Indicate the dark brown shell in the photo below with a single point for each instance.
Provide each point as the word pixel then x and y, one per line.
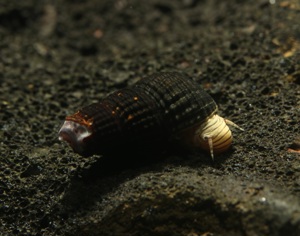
pixel 152 111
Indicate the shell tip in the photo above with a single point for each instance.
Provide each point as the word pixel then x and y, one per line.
pixel 74 134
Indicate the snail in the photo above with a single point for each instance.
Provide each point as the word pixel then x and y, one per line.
pixel 162 107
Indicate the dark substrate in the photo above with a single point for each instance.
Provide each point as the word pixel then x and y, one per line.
pixel 57 56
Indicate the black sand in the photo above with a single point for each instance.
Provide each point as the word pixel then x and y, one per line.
pixel 57 56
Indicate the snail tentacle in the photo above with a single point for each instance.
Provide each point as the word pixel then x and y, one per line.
pixel 229 122
pixel 209 140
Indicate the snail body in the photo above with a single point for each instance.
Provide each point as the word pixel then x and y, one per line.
pixel 159 108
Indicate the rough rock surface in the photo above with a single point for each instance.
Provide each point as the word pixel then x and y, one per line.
pixel 57 56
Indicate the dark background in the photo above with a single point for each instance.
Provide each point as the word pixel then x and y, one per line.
pixel 57 56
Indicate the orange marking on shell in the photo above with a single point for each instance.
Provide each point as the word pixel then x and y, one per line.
pixel 130 117
pixel 78 117
pixel 293 151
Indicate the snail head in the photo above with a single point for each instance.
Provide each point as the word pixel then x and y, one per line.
pixel 214 135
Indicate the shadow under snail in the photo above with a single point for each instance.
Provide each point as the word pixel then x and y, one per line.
pixel 167 106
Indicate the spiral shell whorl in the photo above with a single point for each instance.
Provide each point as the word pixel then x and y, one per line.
pixel 183 102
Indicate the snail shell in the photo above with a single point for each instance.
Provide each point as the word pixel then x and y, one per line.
pixel 157 109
